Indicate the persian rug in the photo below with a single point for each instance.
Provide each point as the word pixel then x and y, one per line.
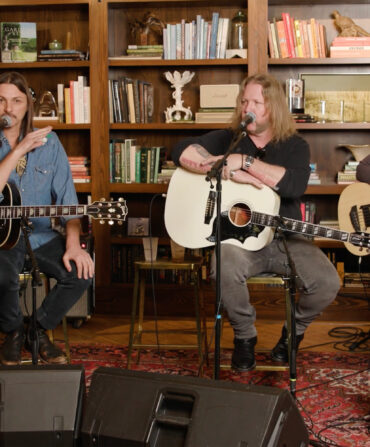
pixel 332 389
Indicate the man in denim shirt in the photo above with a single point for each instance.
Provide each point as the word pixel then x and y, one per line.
pixel 35 161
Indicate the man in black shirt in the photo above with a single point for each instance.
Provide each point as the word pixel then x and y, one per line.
pixel 271 153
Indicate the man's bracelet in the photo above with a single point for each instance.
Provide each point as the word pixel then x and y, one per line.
pixel 247 163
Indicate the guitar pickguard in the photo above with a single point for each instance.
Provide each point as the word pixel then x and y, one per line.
pixel 230 231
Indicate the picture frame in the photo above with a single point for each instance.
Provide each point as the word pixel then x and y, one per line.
pixel 137 226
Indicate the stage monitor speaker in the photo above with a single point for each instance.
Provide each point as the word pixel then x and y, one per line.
pixel 138 409
pixel 84 307
pixel 41 405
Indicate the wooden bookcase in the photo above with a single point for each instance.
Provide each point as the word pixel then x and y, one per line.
pixel 102 26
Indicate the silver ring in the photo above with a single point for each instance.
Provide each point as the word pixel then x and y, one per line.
pixel 232 174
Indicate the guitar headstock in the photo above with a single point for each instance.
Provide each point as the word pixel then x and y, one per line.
pixel 111 211
pixel 361 239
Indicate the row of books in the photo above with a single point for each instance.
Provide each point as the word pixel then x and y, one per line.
pixel 80 168
pixel 308 211
pixel 198 39
pixel 289 38
pixel 130 101
pixel 74 101
pixel 350 47
pixel 131 163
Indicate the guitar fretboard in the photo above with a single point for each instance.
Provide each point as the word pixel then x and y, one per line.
pixel 297 226
pixel 16 212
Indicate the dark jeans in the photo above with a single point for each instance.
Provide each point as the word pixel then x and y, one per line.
pixel 62 296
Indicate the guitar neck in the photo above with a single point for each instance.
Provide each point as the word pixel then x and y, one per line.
pixel 16 212
pixel 297 226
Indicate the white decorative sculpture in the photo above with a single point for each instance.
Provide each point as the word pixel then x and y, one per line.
pixel 177 82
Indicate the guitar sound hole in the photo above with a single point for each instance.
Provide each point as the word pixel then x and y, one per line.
pixel 240 214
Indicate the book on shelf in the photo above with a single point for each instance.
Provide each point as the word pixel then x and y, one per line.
pixel 213 117
pixel 350 51
pixel 350 41
pixel 18 42
pixel 344 177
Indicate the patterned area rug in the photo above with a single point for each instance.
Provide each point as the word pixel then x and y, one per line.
pixel 332 388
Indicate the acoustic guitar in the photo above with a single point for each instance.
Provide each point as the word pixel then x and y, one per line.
pixel 354 213
pixel 11 212
pixel 249 216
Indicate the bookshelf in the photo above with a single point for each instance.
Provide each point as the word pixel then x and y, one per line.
pixel 102 26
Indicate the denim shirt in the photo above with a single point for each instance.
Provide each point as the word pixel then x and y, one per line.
pixel 46 180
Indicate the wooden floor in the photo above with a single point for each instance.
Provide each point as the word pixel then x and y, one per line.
pixel 114 329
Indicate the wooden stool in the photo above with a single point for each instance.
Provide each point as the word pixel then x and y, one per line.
pixel 192 265
pixel 26 277
pixel 282 281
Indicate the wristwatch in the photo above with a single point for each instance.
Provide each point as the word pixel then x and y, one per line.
pixel 247 163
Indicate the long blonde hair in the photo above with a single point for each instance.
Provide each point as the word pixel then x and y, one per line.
pixel 281 121
pixel 20 82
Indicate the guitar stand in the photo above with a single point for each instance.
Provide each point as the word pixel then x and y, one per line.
pixel 36 282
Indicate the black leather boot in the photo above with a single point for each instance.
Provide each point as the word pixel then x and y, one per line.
pixel 280 351
pixel 12 347
pixel 243 355
pixel 47 350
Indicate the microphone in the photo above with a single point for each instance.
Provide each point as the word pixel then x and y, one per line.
pixel 5 121
pixel 250 117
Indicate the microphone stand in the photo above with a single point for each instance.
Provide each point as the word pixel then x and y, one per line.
pixel 36 281
pixel 215 172
pixel 290 284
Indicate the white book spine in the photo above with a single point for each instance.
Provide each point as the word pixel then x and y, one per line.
pixel 60 99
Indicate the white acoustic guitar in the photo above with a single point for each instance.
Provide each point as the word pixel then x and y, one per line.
pixel 190 215
pixel 354 212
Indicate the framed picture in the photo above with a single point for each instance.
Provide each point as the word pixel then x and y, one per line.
pixel 137 226
pixel 338 97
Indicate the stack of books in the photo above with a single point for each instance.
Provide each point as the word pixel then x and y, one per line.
pixel 167 170
pixel 290 38
pixel 303 118
pixel 80 168
pixel 350 47
pixel 314 178
pixel 357 280
pixel 145 51
pixel 348 175
pixel 61 55
pixel 214 115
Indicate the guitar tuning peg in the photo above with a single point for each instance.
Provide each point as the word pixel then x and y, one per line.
pixel 110 222
pixel 102 199
pixel 102 221
pixel 120 222
pixel 120 199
